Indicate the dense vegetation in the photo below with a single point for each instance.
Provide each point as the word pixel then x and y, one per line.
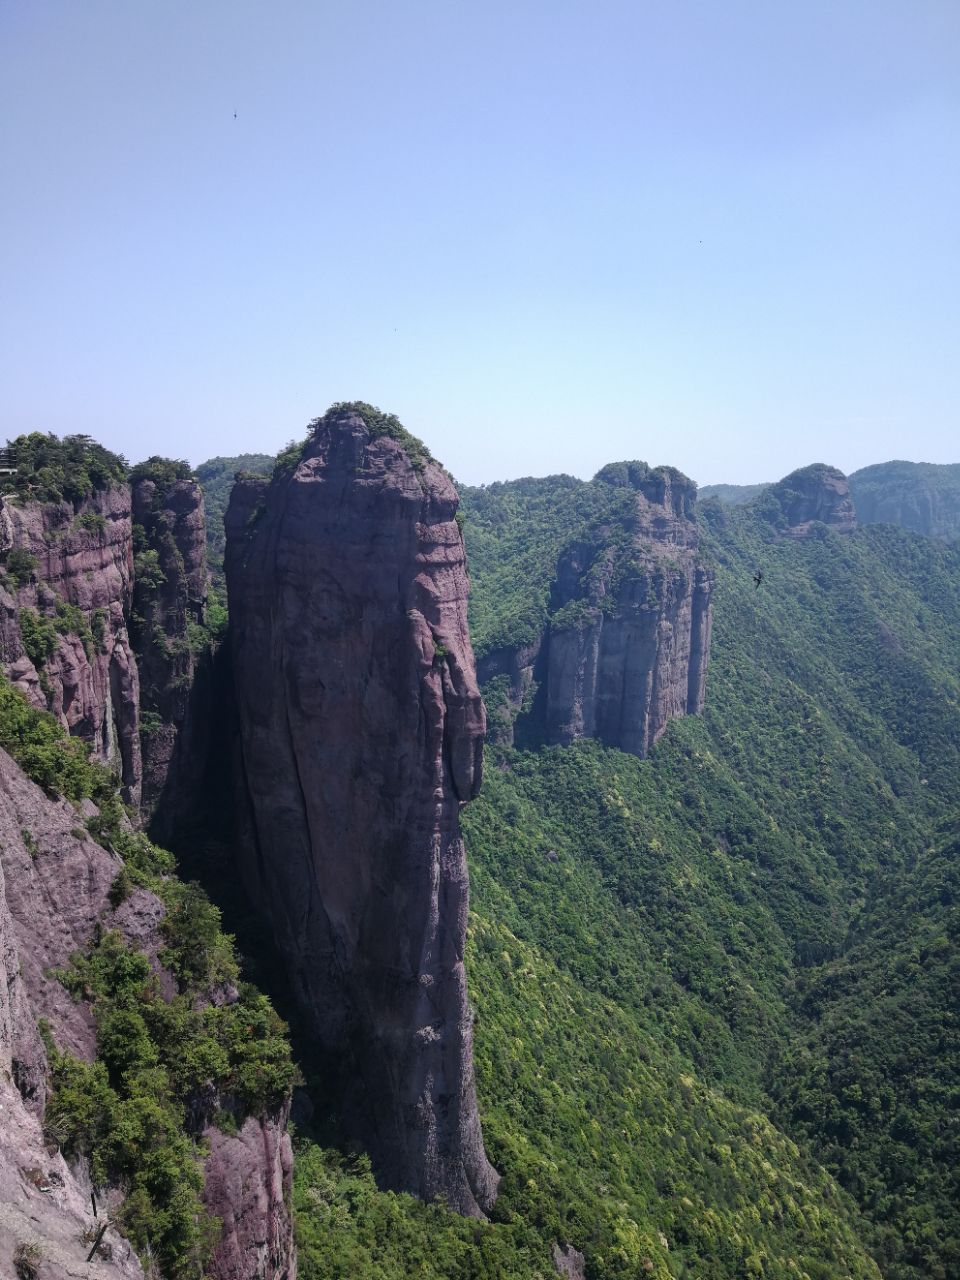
pixel 216 478
pixel 49 469
pixel 731 495
pixel 163 472
pixel 874 1083
pixel 514 533
pixel 165 1066
pixel 716 990
pixel 726 892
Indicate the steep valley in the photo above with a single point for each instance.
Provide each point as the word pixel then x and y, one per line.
pixel 703 1004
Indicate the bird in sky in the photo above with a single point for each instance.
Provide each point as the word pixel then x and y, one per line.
pixel 758 577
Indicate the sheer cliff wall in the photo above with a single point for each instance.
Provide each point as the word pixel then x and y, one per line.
pixel 361 737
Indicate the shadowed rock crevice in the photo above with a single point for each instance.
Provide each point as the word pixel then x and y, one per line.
pixel 169 636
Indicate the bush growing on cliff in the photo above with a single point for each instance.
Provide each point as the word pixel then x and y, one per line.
pixel 58 764
pixel 39 636
pixel 73 469
pixel 20 565
pixel 164 1067
pixel 379 423
pixel 164 472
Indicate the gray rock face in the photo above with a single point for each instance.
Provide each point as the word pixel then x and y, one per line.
pixel 814 495
pixel 922 496
pixel 569 1262
pixel 83 563
pixel 249 1185
pixel 361 734
pixel 629 638
pixel 172 723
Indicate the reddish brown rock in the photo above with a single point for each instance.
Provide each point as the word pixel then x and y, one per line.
pixel 629 638
pixel 361 734
pixel 83 561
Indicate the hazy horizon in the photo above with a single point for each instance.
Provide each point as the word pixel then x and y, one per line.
pixel 545 236
pixel 195 462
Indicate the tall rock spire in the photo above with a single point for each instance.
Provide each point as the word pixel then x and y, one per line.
pixel 361 737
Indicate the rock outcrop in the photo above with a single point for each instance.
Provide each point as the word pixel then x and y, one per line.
pixel 361 736
pixel 248 1185
pixel 64 599
pixel 169 604
pixel 53 889
pixel 813 496
pixel 922 496
pixel 629 636
pixel 55 886
pixel 519 665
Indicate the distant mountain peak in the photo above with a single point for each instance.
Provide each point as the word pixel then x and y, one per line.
pixel 817 494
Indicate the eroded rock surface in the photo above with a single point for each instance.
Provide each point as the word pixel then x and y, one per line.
pixel 79 587
pixel 54 893
pixel 923 496
pixel 248 1185
pixel 53 888
pixel 629 637
pixel 361 733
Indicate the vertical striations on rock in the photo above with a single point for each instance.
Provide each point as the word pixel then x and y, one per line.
pixel 923 496
pixel 361 736
pixel 629 638
pixel 64 599
pixel 169 607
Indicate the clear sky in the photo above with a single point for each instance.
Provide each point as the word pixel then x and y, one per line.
pixel 724 236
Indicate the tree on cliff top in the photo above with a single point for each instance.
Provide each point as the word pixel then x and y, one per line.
pixel 49 469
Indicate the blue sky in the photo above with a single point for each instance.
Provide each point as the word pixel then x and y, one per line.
pixel 547 235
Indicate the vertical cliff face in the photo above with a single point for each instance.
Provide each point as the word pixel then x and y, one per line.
pixel 629 637
pixel 64 599
pixel 169 603
pixel 248 1182
pixel 923 496
pixel 361 737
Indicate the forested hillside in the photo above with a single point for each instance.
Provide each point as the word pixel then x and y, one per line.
pixel 714 988
pixel 714 889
